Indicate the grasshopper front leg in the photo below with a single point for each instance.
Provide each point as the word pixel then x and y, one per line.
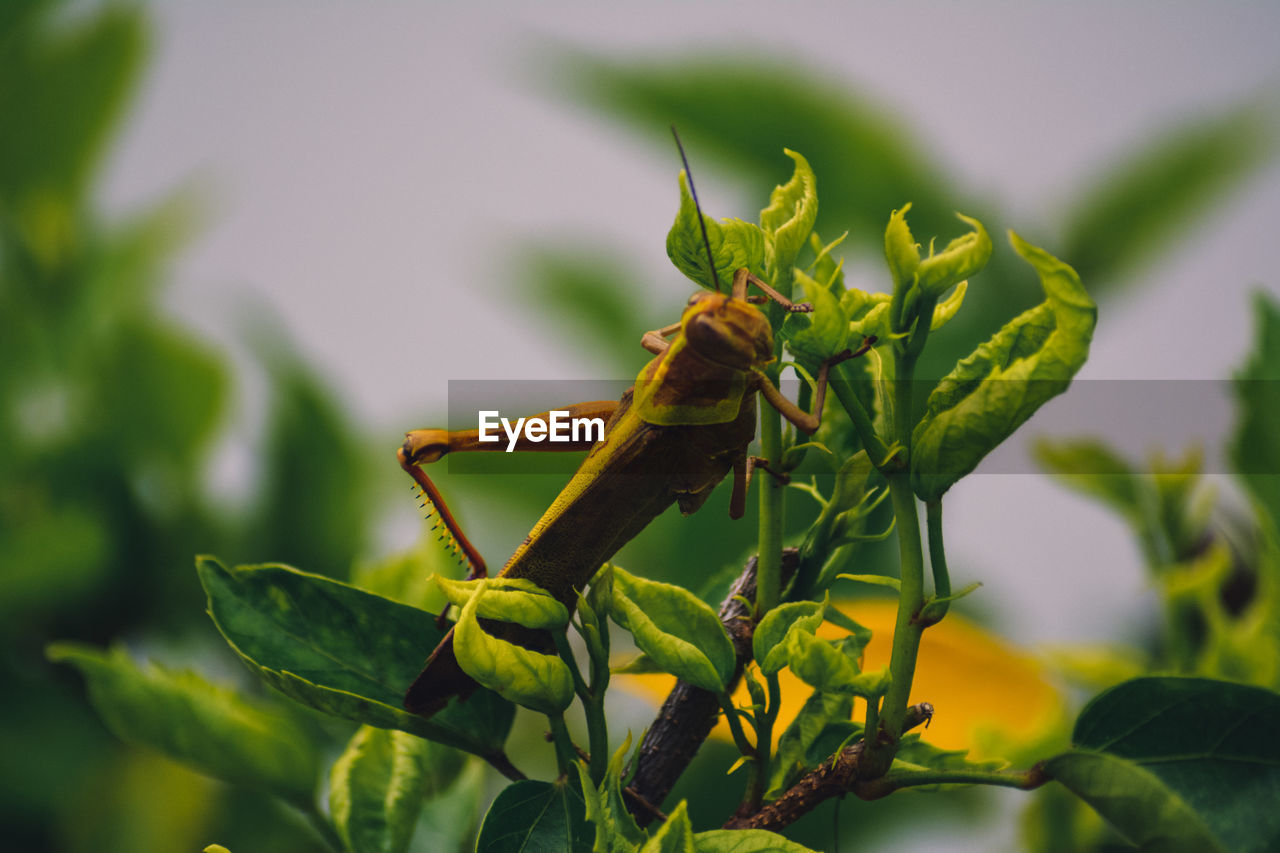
pixel 808 422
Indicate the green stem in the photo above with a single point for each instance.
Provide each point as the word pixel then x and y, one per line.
pixel 840 384
pixel 764 739
pixel 735 725
pixel 883 743
pixel 899 779
pixel 938 606
pixel 592 698
pixel 565 754
pixel 769 564
pixel 566 655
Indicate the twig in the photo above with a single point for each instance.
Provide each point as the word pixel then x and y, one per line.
pixel 836 776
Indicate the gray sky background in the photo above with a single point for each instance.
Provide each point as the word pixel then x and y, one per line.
pixel 368 167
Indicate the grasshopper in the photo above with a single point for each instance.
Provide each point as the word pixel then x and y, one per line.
pixel 672 437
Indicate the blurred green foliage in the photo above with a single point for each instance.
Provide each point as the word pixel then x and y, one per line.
pixel 108 413
pixel 109 409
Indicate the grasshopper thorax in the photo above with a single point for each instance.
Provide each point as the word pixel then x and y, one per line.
pixel 727 331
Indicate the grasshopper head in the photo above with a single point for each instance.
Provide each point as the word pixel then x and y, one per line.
pixel 727 331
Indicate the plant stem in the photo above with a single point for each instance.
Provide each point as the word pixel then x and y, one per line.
pixel 565 754
pixel 769 567
pixel 844 392
pixel 883 743
pixel 1033 777
pixel 937 607
pixel 735 725
pixel 592 698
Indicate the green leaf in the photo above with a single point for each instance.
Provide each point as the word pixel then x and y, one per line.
pixel 901 251
pixel 192 721
pixel 1091 467
pixel 745 841
pixel 878 580
pixel 308 514
pixel 830 665
pixel 88 67
pixel 768 644
pixel 378 785
pixel 528 678
pixel 616 829
pixel 343 651
pixel 532 817
pixel 517 600
pixel 1134 801
pixel 819 710
pixel 963 258
pixel 1005 380
pixel 675 835
pixel 868 314
pixel 1185 758
pixel 675 628
pixel 820 334
pixel 164 391
pixel 734 244
pixel 947 308
pixel 789 218
pixel 917 753
pixel 1255 448
pixel 826 269
pixel 1152 196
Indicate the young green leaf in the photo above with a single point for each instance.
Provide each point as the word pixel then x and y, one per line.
pixel 378 785
pixel 1191 760
pixel 194 722
pixel 833 665
pixel 901 251
pixel 675 628
pixel 828 271
pixel 947 308
pixel 734 244
pixel 820 334
pixel 768 644
pixel 528 678
pixel 963 258
pixel 868 314
pixel 789 218
pixel 1005 380
pixel 516 600
pixel 916 753
pixel 531 816
pixel 616 829
pixel 818 711
pixel 675 835
pixel 343 651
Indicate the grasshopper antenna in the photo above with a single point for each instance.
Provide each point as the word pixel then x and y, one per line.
pixel 706 241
